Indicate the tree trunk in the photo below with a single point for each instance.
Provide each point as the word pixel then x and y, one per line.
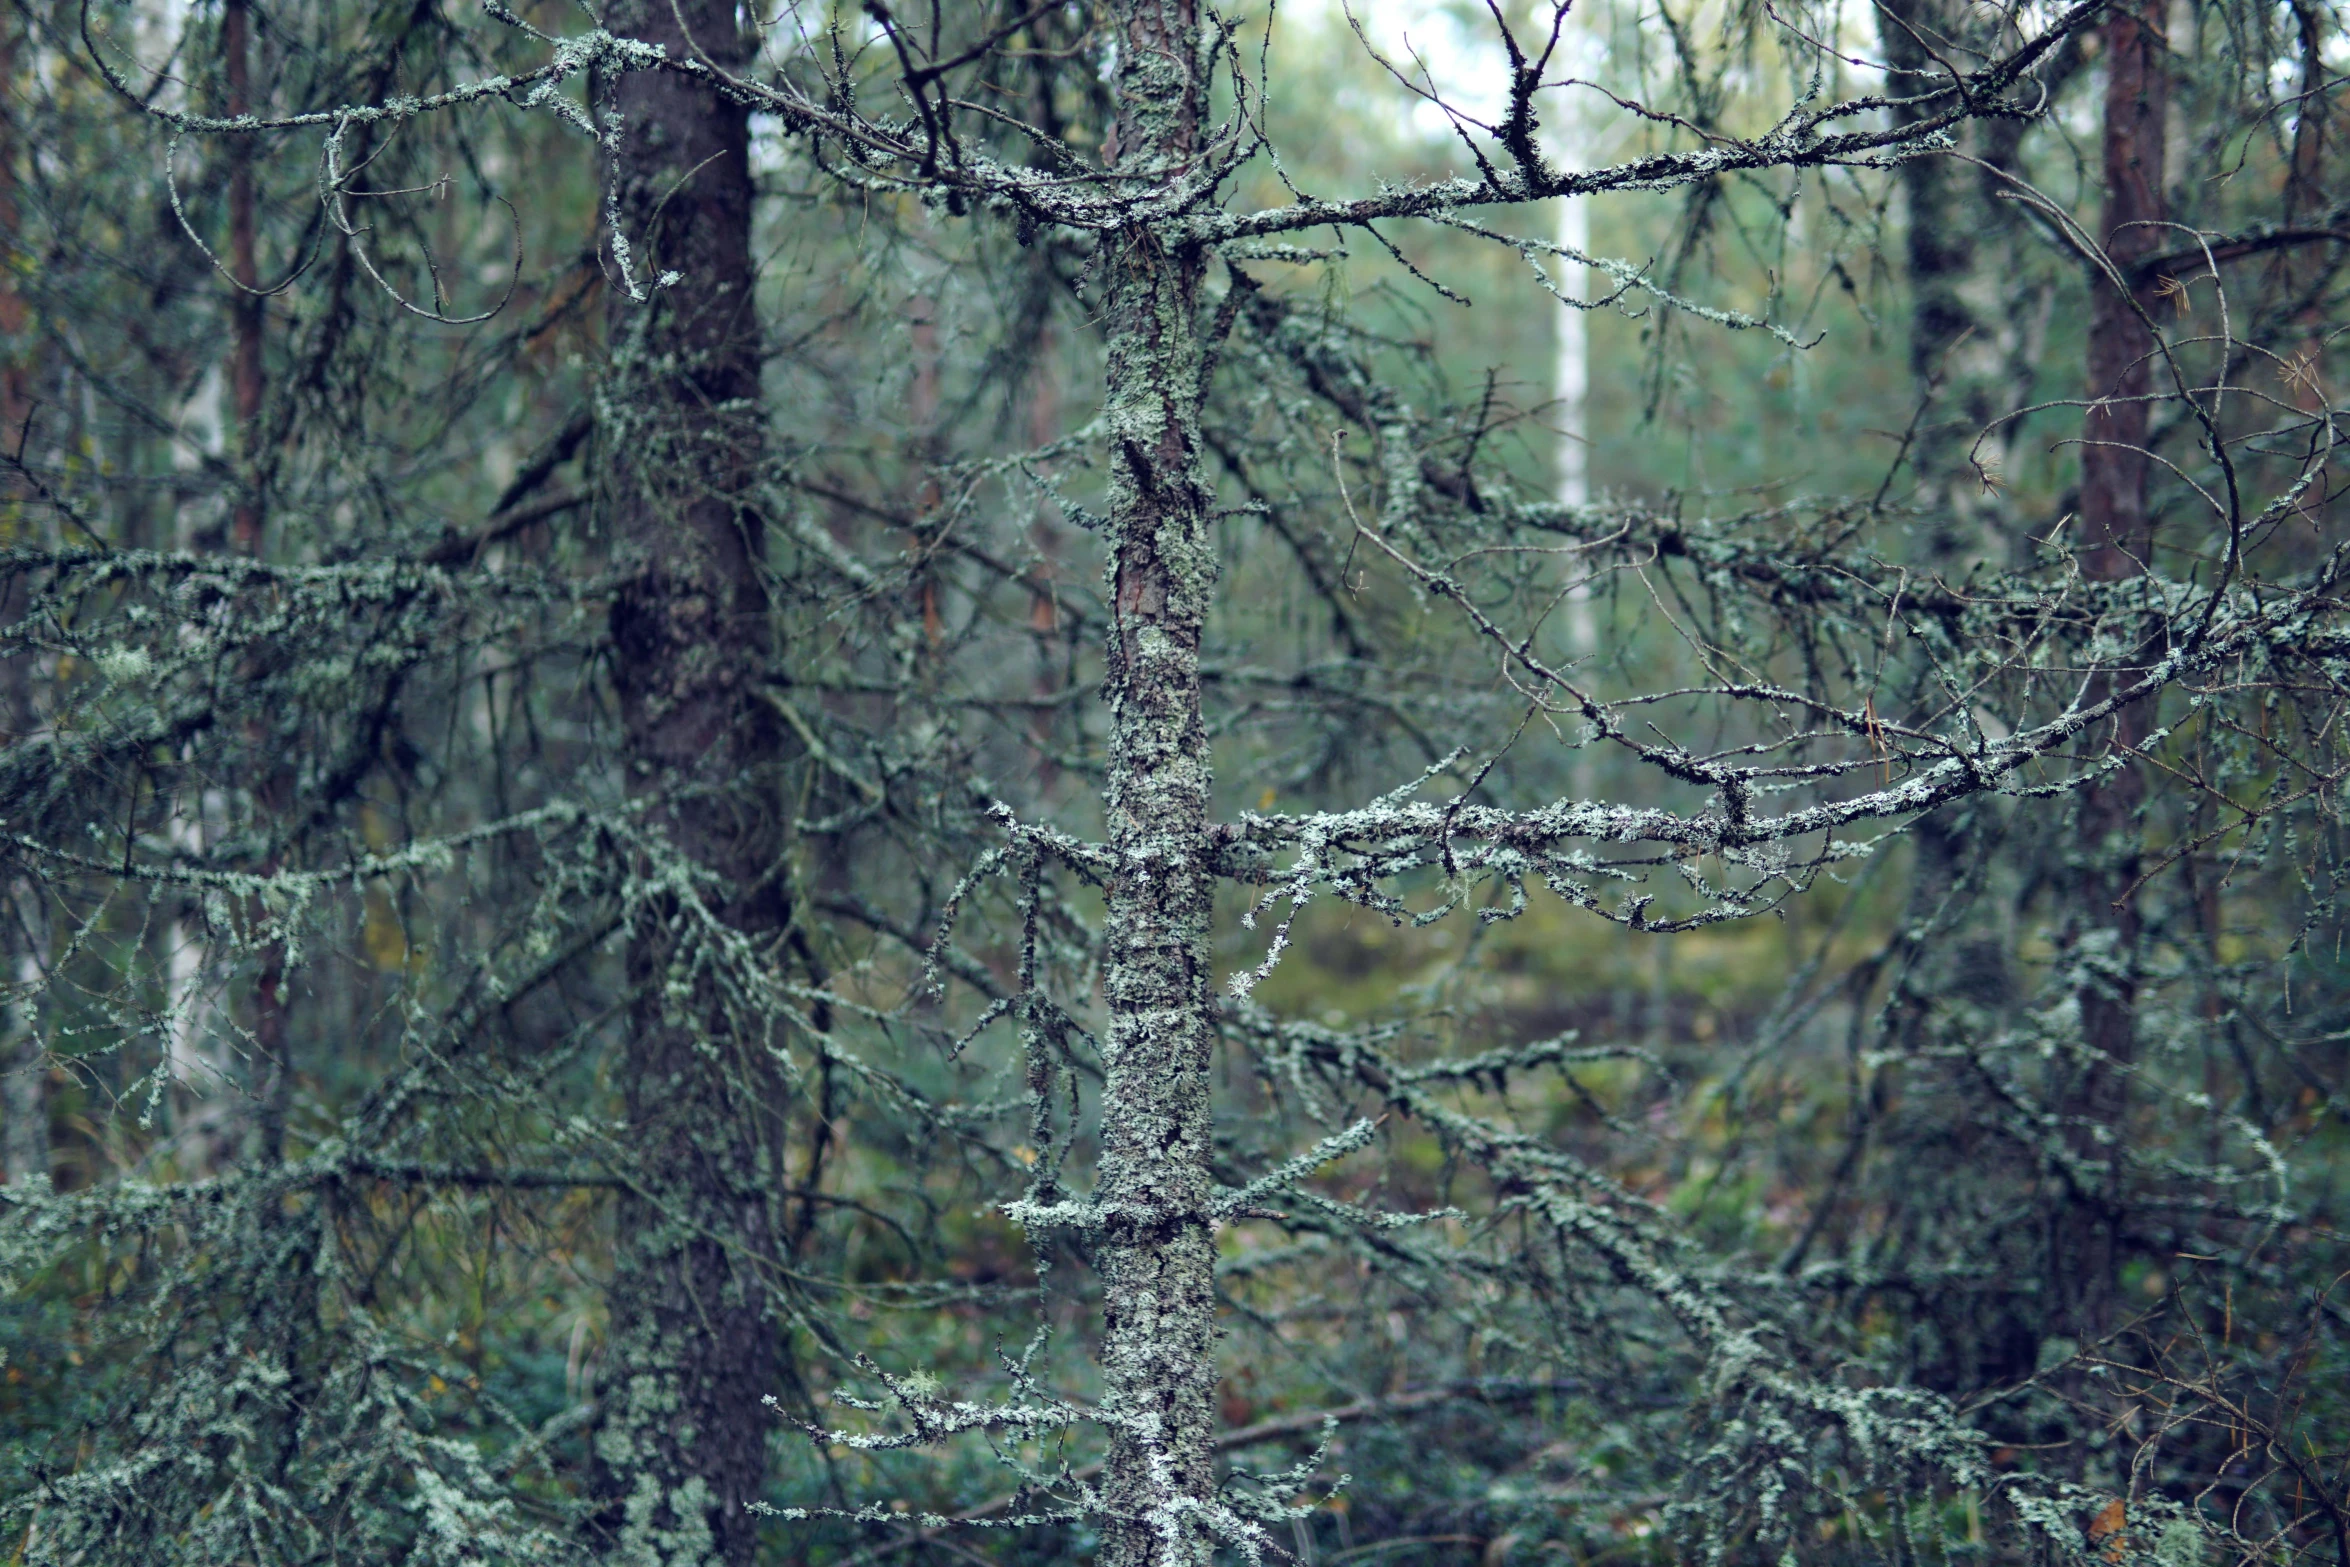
pixel 2117 541
pixel 1157 1252
pixel 24 1061
pixel 16 397
pixel 2121 349
pixel 245 385
pixel 24 1100
pixel 1938 245
pixel 274 1085
pixel 693 1348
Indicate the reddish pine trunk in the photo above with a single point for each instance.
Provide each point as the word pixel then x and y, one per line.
pixel 2121 348
pixel 2117 541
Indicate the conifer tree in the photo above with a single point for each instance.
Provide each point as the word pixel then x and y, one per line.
pixel 753 888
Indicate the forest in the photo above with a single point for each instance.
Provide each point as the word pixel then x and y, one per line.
pixel 1439 783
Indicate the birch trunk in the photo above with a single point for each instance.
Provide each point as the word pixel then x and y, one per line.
pixel 1157 1251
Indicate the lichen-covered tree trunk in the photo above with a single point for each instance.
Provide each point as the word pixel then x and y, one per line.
pixel 1157 1252
pixel 693 1346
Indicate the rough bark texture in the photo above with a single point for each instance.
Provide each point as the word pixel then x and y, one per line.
pixel 693 1349
pixel 2121 349
pixel 2117 540
pixel 1158 1250
pixel 274 1071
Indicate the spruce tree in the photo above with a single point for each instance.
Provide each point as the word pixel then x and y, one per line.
pixel 676 908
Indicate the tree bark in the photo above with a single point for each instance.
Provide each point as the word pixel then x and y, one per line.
pixel 1938 252
pixel 2118 541
pixel 24 1100
pixel 16 399
pixel 1157 1251
pixel 694 1348
pixel 2121 348
pixel 245 384
pixel 24 1060
pixel 273 1091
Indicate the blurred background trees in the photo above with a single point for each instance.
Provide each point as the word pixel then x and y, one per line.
pixel 535 946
